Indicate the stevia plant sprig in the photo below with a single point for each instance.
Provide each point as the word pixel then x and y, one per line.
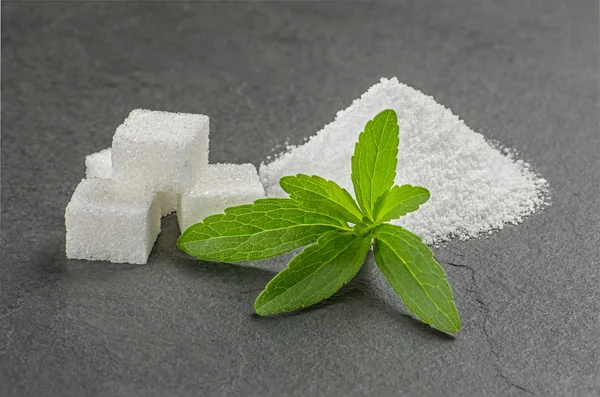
pixel 339 232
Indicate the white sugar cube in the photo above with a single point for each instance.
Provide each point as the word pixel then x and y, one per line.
pixel 99 165
pixel 162 151
pixel 219 186
pixel 108 221
pixel 168 202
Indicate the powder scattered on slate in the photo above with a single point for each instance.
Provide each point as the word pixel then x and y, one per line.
pixel 474 186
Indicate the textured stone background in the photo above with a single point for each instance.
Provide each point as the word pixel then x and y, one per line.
pixel 523 73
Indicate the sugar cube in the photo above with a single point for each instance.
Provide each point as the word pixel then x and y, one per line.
pixel 162 151
pixel 108 221
pixel 99 165
pixel 218 187
pixel 168 202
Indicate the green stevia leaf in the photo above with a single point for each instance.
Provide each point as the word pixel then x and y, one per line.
pixel 360 229
pixel 374 160
pixel 265 229
pixel 323 196
pixel 408 265
pixel 315 274
pixel 399 201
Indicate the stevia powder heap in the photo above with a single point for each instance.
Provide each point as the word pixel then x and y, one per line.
pixel 474 186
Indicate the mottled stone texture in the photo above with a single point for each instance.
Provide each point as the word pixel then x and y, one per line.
pixel 522 73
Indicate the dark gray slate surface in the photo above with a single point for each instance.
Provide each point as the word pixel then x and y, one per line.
pixel 522 73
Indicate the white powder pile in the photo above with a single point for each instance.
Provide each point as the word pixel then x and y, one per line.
pixel 474 187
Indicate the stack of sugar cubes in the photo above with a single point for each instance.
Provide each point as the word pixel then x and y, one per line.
pixel 158 164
